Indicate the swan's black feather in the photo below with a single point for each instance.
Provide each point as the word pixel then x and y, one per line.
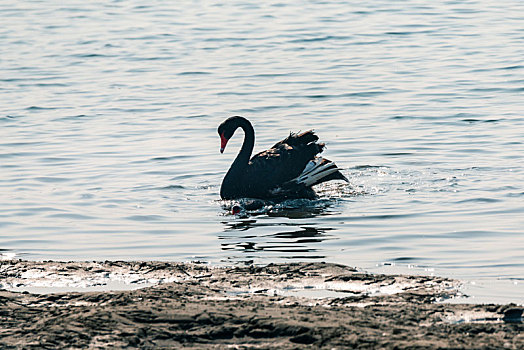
pixel 295 139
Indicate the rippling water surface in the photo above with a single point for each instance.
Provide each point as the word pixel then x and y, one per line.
pixel 109 150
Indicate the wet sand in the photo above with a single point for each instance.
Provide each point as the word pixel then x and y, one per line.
pixel 285 306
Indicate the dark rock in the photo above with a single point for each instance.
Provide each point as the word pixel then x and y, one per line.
pixel 513 315
pixel 305 338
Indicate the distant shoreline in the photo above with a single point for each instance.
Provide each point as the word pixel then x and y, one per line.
pixel 276 306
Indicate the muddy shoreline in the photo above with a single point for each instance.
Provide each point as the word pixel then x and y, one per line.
pixel 284 306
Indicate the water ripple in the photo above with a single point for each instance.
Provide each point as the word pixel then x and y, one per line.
pixel 109 147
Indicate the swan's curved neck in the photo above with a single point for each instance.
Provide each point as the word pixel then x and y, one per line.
pixel 243 156
pixel 233 181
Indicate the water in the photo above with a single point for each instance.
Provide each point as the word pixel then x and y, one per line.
pixel 109 150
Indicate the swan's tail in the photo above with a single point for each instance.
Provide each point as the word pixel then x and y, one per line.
pixel 319 170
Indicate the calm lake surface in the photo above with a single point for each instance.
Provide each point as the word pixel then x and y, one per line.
pixel 109 149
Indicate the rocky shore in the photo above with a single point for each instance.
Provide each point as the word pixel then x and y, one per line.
pixel 286 306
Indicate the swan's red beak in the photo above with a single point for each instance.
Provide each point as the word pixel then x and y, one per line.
pixel 223 143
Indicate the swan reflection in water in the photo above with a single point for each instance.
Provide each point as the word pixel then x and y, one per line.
pixel 273 231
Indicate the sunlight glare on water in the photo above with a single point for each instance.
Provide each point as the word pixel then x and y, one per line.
pixel 109 150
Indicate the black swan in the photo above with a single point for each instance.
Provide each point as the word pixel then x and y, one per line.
pixel 287 170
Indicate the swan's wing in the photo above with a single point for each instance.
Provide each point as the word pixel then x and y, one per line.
pixel 296 139
pixel 276 166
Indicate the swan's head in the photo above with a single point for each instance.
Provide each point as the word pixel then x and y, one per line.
pixel 227 129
